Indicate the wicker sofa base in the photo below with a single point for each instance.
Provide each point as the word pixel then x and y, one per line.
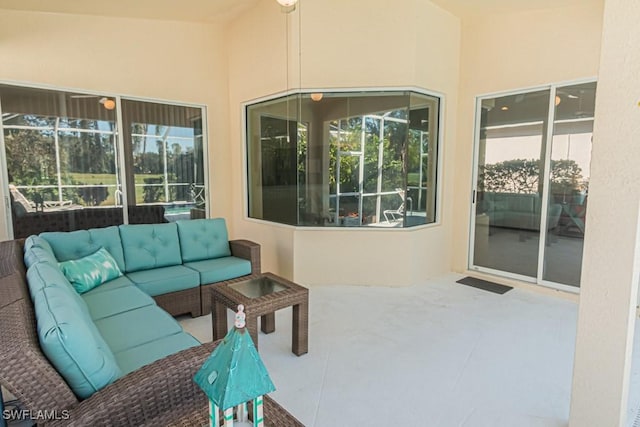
pixel 181 302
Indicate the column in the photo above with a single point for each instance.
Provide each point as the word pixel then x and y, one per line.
pixel 607 310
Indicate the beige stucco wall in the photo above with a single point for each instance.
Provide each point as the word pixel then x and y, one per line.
pixel 359 43
pixel 611 265
pixel 513 51
pixel 155 59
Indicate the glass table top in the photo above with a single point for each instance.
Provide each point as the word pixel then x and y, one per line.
pixel 256 288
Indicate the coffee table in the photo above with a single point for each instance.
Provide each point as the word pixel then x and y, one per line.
pixel 262 296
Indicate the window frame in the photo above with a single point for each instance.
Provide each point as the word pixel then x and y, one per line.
pixel 439 176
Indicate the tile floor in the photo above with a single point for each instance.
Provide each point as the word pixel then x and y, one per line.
pixel 438 354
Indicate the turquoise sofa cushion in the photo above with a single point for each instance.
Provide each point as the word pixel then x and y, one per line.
pixel 72 343
pixel 116 301
pixel 203 239
pixel 136 327
pixel 120 282
pixel 93 270
pixel 36 249
pixel 41 275
pixel 166 279
pixel 149 246
pixel 80 243
pixel 219 269
pixel 136 357
pixel 34 240
pixel 37 254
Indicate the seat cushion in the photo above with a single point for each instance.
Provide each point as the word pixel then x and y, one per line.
pixel 116 301
pixel 136 327
pixel 72 343
pixel 166 279
pixel 219 269
pixel 91 271
pixel 120 282
pixel 133 358
pixel 80 243
pixel 203 239
pixel 149 246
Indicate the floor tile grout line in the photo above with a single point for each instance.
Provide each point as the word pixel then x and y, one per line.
pixel 321 391
pixel 466 362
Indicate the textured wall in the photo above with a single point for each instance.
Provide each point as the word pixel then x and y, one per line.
pixel 610 271
pixel 359 43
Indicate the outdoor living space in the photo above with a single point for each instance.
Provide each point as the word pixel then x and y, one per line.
pixel 372 152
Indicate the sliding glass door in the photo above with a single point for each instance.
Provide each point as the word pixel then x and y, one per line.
pixel 61 153
pixel 72 161
pixel 569 183
pixel 164 153
pixel 531 183
pixel 508 186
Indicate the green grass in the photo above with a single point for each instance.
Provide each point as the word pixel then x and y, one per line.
pixel 110 179
pixel 105 178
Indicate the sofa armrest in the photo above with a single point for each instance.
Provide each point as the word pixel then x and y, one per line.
pixel 160 387
pixel 248 250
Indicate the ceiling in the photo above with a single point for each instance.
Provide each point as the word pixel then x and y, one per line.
pixel 184 10
pixel 479 7
pixel 223 10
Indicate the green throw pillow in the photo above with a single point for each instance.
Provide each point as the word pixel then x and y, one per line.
pixel 91 271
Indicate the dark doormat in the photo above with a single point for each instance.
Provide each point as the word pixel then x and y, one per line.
pixel 485 285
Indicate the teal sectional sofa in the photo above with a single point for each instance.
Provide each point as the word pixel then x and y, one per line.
pixel 174 263
pixel 79 333
pixel 99 294
pixel 160 392
pixel 517 210
pixel 100 336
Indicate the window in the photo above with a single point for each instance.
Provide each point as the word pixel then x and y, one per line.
pixel 70 164
pixel 346 160
pixel 167 158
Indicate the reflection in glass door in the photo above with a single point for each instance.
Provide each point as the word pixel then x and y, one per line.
pixel 166 155
pixel 569 183
pixel 61 151
pixel 509 188
pixel 518 177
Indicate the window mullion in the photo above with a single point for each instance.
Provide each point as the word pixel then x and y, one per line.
pixel 120 161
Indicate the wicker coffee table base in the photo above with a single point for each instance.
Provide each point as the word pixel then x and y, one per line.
pixel 223 297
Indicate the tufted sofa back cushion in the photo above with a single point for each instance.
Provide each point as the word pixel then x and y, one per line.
pixel 149 246
pixel 37 241
pixel 203 239
pixel 36 249
pixel 78 244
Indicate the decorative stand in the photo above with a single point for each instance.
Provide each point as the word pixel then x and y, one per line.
pixel 229 388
